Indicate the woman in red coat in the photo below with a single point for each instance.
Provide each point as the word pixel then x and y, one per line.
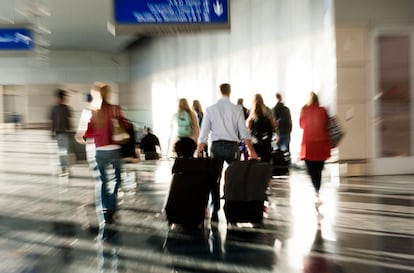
pixel 316 147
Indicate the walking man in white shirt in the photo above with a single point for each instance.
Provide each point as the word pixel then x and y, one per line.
pixel 225 121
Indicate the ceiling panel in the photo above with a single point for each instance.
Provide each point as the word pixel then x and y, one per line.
pixel 74 24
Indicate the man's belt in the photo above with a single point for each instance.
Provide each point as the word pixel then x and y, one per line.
pixel 225 142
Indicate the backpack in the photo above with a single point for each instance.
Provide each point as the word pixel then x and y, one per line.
pixel 184 124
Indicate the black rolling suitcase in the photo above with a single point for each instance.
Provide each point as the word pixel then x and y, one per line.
pixel 280 162
pixel 189 190
pixel 245 189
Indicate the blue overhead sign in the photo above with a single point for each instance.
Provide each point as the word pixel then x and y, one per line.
pixel 171 12
pixel 16 39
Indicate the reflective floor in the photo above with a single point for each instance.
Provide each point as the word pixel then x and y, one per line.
pixel 48 222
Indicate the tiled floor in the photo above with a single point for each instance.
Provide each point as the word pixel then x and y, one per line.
pixel 48 222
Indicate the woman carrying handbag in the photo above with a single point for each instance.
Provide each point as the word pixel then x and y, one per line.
pixel 108 151
pixel 316 146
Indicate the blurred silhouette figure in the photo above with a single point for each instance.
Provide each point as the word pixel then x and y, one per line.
pixel 246 112
pixel 187 129
pixel 150 145
pixel 283 119
pixel 261 128
pixel 200 114
pixel 60 126
pixel 108 153
pixel 244 155
pixel 17 119
pixel 198 110
pixel 316 147
pixel 129 151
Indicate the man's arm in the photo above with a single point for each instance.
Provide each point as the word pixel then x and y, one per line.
pixel 250 149
pixel 204 132
pixel 200 149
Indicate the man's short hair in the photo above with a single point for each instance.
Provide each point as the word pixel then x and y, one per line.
pixel 225 89
pixel 278 96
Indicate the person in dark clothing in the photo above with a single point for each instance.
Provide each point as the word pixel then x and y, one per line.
pixel 198 110
pixel 261 128
pixel 149 145
pixel 242 146
pixel 281 114
pixel 60 116
pixel 129 153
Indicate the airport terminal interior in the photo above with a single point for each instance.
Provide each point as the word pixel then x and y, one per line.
pixel 358 56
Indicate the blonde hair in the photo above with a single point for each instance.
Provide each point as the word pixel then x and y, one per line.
pixel 258 107
pixel 183 105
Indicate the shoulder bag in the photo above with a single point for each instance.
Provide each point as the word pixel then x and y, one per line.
pixel 119 133
pixel 335 131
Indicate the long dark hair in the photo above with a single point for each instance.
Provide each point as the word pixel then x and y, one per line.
pixel 258 107
pixel 197 106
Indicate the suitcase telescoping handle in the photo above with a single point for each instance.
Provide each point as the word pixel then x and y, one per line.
pixel 201 153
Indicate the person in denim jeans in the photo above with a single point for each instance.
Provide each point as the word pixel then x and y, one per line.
pixel 104 159
pixel 108 153
pixel 225 121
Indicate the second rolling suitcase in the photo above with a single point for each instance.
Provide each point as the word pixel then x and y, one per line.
pixel 245 188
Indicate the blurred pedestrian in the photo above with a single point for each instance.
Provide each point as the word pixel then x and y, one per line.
pixel 198 110
pixel 60 126
pixel 150 145
pixel 261 128
pixel 108 153
pixel 200 114
pixel 316 147
pixel 246 112
pixel 187 129
pixel 281 115
pixel 244 155
pixel 225 121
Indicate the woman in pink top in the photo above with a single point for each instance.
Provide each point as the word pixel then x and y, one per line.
pixel 316 147
pixel 108 153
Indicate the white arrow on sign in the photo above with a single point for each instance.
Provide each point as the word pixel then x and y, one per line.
pixel 218 8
